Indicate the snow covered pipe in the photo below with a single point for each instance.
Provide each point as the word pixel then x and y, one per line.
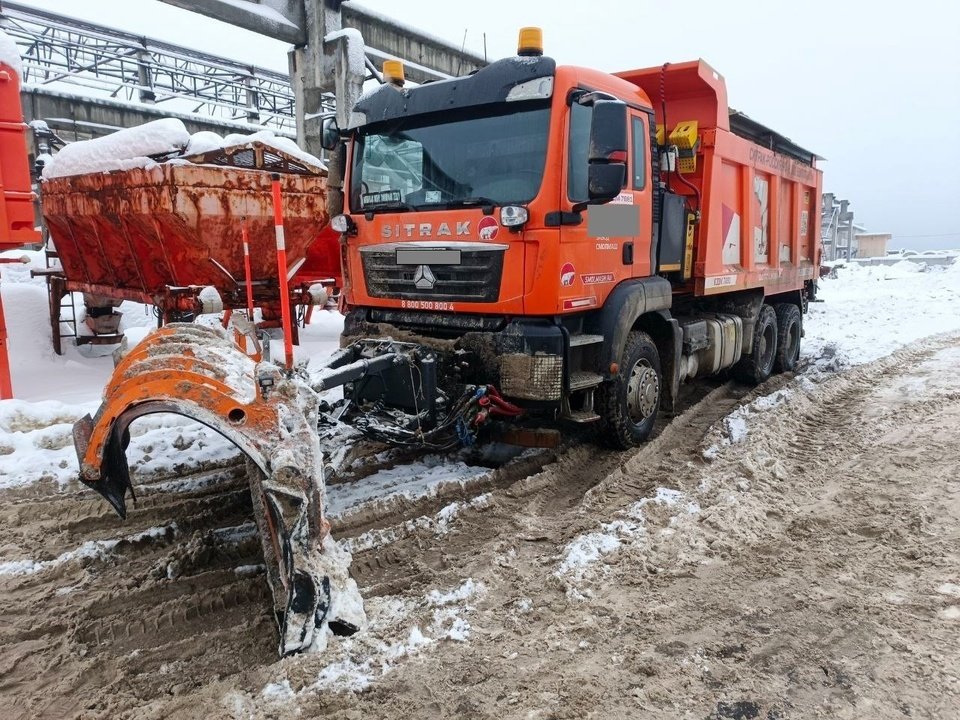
pixel 282 272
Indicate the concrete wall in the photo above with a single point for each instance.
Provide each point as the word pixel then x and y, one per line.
pixel 80 118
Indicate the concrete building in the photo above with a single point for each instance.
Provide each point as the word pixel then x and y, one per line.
pixel 871 244
pixel 837 228
pixel 840 234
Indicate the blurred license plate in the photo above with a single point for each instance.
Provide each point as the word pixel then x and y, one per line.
pixel 426 256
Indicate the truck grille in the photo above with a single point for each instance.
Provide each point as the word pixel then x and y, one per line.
pixel 475 279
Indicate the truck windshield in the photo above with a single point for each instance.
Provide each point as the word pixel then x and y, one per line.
pixel 451 159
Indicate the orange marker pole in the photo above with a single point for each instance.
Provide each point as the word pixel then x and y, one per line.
pixel 245 233
pixel 6 385
pixel 282 272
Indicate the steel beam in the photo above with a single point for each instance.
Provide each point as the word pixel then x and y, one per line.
pixel 431 58
pixel 278 19
pixel 426 56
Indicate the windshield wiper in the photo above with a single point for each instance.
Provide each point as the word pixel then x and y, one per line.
pixel 389 205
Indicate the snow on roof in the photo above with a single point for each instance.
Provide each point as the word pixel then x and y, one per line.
pixel 9 54
pixel 131 147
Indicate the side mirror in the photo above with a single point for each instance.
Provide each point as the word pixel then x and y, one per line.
pixel 604 182
pixel 329 134
pixel 607 154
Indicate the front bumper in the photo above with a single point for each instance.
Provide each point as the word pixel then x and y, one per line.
pixel 524 358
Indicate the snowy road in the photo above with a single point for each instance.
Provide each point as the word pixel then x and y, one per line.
pixel 784 552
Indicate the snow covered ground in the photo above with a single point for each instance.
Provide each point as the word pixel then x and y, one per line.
pixel 870 311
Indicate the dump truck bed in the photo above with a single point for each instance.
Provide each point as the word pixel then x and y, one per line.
pixel 759 191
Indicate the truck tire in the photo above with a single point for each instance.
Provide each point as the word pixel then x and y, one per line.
pixel 789 327
pixel 628 404
pixel 756 367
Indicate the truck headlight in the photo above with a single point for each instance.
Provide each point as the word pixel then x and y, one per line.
pixel 340 223
pixel 513 215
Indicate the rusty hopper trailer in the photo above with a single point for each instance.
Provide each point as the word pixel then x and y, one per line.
pixel 533 244
pixel 161 234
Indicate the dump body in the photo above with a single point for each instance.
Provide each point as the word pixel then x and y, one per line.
pixel 758 223
pixel 139 233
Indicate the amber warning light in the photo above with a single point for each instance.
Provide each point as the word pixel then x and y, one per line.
pixel 393 72
pixel 531 42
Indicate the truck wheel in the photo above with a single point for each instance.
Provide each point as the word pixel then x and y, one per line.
pixel 789 326
pixel 628 404
pixel 758 365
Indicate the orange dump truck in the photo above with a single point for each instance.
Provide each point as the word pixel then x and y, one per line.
pixel 584 241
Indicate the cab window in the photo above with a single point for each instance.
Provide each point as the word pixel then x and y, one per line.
pixel 577 152
pixel 639 154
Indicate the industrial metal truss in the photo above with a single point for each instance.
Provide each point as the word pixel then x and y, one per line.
pixel 59 51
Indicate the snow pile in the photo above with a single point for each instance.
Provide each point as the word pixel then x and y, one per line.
pixel 136 147
pixel 36 444
pixel 869 311
pixel 206 141
pixel 122 150
pixel 36 441
pixel 10 55
pixel 733 429
pixel 425 477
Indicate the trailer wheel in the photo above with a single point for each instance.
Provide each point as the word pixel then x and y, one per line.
pixel 628 404
pixel 758 365
pixel 789 327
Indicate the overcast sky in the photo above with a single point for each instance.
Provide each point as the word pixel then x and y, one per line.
pixel 876 91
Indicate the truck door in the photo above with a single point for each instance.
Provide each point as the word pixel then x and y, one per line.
pixel 591 265
pixel 639 185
